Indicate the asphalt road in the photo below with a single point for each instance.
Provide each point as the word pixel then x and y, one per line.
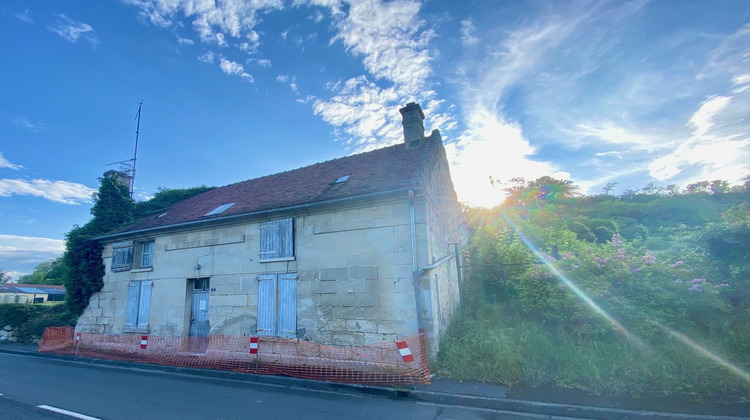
pixel 130 393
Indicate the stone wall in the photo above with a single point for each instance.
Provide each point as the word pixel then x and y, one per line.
pixel 446 227
pixel 353 288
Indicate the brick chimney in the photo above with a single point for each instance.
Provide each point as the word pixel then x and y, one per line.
pixel 413 122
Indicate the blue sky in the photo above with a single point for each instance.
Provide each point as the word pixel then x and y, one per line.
pixel 593 91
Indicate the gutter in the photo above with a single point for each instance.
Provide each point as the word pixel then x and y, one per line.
pixel 237 217
pixel 415 272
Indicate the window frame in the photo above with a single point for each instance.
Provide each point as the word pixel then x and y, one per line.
pixel 142 252
pixel 277 240
pixel 117 251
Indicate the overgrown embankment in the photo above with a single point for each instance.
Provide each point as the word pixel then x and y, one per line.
pixel 28 322
pixel 655 311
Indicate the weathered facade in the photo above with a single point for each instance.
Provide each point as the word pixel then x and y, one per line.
pixel 352 251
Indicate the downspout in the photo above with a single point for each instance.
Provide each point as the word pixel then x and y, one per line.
pixel 415 272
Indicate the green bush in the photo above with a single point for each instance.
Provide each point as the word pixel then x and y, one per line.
pixel 29 321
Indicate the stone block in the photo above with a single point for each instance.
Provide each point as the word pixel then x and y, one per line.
pixel 237 300
pixel 393 327
pixel 361 325
pixel 363 272
pixel 341 273
pixel 402 258
pixel 349 312
pixel 332 324
pixel 347 339
pixel 326 287
pixel 349 286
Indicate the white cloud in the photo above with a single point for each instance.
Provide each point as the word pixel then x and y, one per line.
pixel 57 191
pixel 291 81
pixel 611 133
pixel 208 57
pixel 387 35
pixel 212 20
pixel 390 39
pixel 24 122
pixel 233 68
pixel 261 62
pixel 72 31
pixel 468 33
pixel 25 16
pixel 492 148
pixel 26 249
pixel 719 147
pixel 4 163
pixel 185 41
pixel 702 120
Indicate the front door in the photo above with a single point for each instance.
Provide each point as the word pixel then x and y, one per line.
pixel 199 324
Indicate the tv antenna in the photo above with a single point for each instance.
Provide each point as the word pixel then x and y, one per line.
pixel 126 173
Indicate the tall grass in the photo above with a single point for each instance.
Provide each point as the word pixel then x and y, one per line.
pixel 488 345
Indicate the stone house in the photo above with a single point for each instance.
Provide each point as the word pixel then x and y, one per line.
pixel 352 251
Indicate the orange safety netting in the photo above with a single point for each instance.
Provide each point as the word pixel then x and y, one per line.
pixel 374 364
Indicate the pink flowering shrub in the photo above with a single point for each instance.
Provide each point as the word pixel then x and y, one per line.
pixel 631 284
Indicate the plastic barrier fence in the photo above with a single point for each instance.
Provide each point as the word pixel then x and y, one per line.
pixel 381 363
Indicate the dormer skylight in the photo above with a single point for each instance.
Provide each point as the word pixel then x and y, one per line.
pixel 221 209
pixel 342 179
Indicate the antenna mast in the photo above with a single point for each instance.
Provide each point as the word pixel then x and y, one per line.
pixel 126 174
pixel 135 154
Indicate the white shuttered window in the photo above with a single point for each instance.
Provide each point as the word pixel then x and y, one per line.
pixel 277 305
pixel 139 304
pixel 277 240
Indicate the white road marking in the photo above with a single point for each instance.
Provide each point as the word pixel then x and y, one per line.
pixel 68 413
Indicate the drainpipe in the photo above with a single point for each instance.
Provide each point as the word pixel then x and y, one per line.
pixel 415 272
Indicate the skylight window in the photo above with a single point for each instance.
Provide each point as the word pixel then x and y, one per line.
pixel 162 215
pixel 221 209
pixel 342 179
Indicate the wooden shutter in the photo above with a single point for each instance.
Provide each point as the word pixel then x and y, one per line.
pixel 134 292
pixel 287 297
pixel 145 304
pixel 269 240
pixel 267 305
pixel 122 257
pixel 277 239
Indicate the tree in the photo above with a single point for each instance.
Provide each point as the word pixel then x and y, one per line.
pixel 4 278
pixel 546 188
pixel 48 272
pixel 112 208
pixel 609 187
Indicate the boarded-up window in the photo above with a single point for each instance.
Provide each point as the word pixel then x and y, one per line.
pixel 277 305
pixel 277 240
pixel 139 304
pixel 122 256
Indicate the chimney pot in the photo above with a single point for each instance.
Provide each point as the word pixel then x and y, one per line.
pixel 413 122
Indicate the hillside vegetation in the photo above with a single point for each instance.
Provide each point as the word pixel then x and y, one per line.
pixel 646 293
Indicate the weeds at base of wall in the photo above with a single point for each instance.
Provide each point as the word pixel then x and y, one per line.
pixel 29 321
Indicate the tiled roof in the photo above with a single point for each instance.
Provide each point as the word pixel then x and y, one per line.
pixel 32 288
pixel 381 170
